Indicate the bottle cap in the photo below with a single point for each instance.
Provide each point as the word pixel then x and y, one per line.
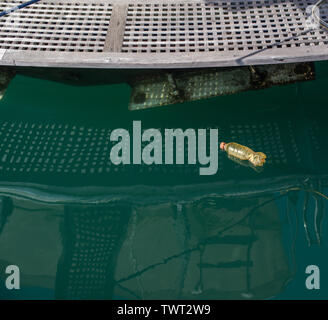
pixel 222 145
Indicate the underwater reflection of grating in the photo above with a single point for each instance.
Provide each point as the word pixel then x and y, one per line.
pixel 92 236
pixel 205 248
pixel 195 248
pixel 56 154
pixel 212 248
pixel 63 154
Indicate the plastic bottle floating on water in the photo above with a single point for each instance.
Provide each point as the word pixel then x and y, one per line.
pixel 243 153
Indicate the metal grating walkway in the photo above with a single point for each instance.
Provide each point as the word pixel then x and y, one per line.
pixel 160 33
pixel 61 26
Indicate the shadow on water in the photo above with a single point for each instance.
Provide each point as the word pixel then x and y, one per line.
pixel 79 227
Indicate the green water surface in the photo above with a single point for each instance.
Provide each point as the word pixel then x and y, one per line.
pixel 165 233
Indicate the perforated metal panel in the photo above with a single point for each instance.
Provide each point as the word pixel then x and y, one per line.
pixel 62 26
pixel 160 33
pixel 218 26
pixel 164 88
